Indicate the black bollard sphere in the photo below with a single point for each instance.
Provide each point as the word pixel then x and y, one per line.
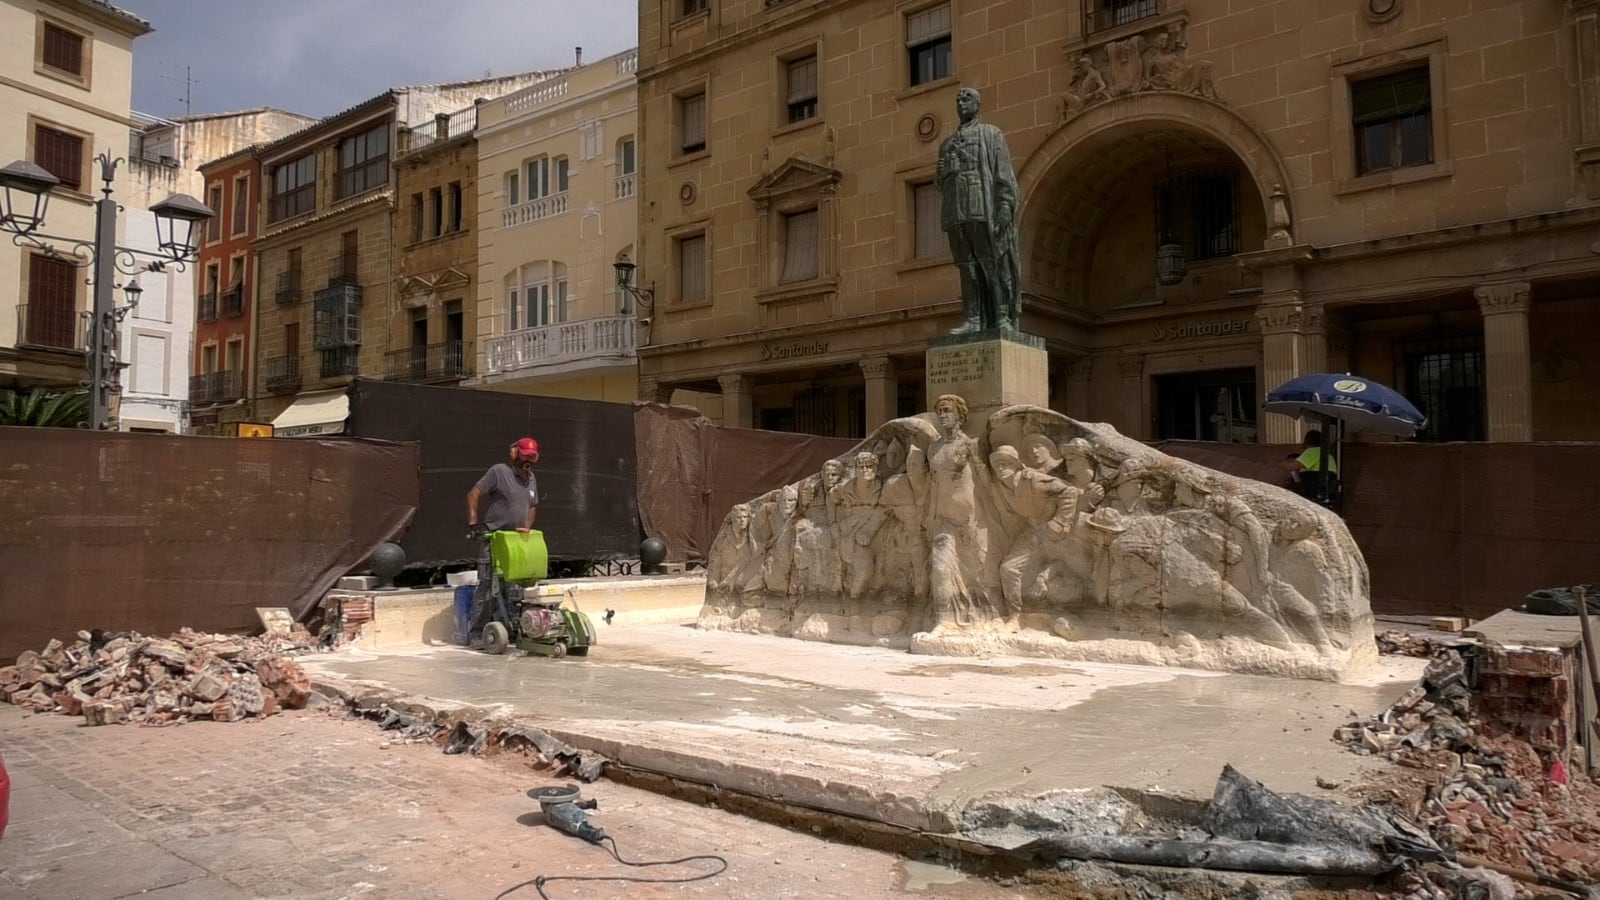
pixel 387 561
pixel 652 553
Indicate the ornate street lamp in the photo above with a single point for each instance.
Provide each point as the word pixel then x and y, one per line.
pixel 646 297
pixel 179 220
pixel 24 196
pixel 25 192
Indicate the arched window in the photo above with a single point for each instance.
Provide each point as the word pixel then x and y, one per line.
pixel 536 295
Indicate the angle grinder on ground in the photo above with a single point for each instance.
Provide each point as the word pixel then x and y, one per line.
pixel 528 615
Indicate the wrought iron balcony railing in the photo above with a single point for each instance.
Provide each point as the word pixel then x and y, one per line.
pixel 282 373
pixel 207 309
pixel 432 363
pixel 216 387
pixel 342 270
pixel 233 303
pixel 340 361
pixel 289 290
pixel 53 326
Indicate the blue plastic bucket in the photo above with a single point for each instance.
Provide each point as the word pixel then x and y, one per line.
pixel 464 612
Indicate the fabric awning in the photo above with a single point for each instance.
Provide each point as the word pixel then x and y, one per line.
pixel 321 412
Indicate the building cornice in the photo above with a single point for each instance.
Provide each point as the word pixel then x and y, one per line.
pixel 781 20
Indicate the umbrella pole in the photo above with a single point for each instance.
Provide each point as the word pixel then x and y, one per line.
pixel 1338 470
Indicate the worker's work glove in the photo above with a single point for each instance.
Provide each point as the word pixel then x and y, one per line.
pixel 477 532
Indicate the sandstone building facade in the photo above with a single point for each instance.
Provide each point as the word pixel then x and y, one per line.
pixel 66 82
pixel 557 208
pixel 1215 196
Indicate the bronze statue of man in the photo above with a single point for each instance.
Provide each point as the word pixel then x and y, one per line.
pixel 979 211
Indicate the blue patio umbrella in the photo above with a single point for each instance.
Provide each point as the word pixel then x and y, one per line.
pixel 1357 404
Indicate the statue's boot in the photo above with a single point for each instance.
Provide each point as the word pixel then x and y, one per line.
pixel 972 325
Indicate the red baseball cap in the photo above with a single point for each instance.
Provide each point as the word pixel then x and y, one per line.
pixel 527 448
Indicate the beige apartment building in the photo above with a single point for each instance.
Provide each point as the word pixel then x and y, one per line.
pixel 1215 196
pixel 325 253
pixel 66 81
pixel 557 208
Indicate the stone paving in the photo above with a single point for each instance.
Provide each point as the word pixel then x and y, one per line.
pixel 309 805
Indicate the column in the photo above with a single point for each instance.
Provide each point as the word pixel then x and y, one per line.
pixel 1075 400
pixel 1280 361
pixel 1313 339
pixel 1507 366
pixel 1130 415
pixel 737 410
pixel 652 390
pixel 883 390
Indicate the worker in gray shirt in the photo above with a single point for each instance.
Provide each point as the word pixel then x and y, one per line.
pixel 513 502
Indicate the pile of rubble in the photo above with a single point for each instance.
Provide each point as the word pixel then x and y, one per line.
pixel 1484 795
pixel 1395 642
pixel 160 681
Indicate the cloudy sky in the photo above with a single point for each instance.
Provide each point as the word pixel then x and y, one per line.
pixel 317 57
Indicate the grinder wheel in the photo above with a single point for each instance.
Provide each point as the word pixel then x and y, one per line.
pixel 550 796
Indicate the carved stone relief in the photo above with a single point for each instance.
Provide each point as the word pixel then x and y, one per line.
pixel 1044 536
pixel 1156 60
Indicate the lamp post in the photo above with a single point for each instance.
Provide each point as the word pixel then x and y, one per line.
pixel 645 297
pixel 24 199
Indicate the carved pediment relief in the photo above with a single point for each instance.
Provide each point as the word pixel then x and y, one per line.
pixel 1155 59
pixel 794 176
pixel 433 282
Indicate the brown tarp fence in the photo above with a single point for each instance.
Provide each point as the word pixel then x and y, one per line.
pixel 155 533
pixel 1453 529
pixel 692 471
pixel 587 493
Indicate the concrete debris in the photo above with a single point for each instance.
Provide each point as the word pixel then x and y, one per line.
pixel 1407 643
pixel 1484 794
pixel 482 737
pixel 110 679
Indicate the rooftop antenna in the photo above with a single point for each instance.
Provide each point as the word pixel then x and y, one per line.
pixel 188 88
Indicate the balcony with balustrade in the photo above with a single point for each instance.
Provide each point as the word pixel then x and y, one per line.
pixel 443 363
pixel 625 186
pixel 216 387
pixel 534 210
pixel 597 346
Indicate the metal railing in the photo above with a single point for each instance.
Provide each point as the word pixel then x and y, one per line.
pixel 289 290
pixel 342 270
pixel 535 210
pixel 444 127
pixel 233 303
pixel 625 186
pixel 447 361
pixel 49 325
pixel 216 387
pixel 281 374
pixel 207 307
pixel 603 339
pixel 340 361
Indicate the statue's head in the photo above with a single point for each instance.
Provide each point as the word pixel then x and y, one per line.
pixel 951 411
pixel 1162 40
pixel 832 473
pixel 1041 452
pixel 1005 462
pixel 1078 456
pixel 788 500
pixel 1085 63
pixel 1296 526
pixel 895 455
pixel 741 516
pixel 968 103
pixel 867 466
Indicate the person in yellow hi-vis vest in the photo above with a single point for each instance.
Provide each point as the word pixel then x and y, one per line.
pixel 1313 466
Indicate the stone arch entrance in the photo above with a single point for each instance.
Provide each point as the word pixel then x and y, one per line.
pixel 1081 177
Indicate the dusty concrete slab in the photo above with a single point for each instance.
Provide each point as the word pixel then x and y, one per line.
pixel 907 740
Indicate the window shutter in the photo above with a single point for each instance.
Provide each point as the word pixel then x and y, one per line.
pixel 929 24
pixel 800 247
pixel 929 233
pixel 694 120
pixel 52 302
pixel 150 366
pixel 692 269
pixel 803 80
pixel 60 154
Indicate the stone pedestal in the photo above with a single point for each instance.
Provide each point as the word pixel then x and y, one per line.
pixel 990 370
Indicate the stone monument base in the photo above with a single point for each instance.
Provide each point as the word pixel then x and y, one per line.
pixel 990 369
